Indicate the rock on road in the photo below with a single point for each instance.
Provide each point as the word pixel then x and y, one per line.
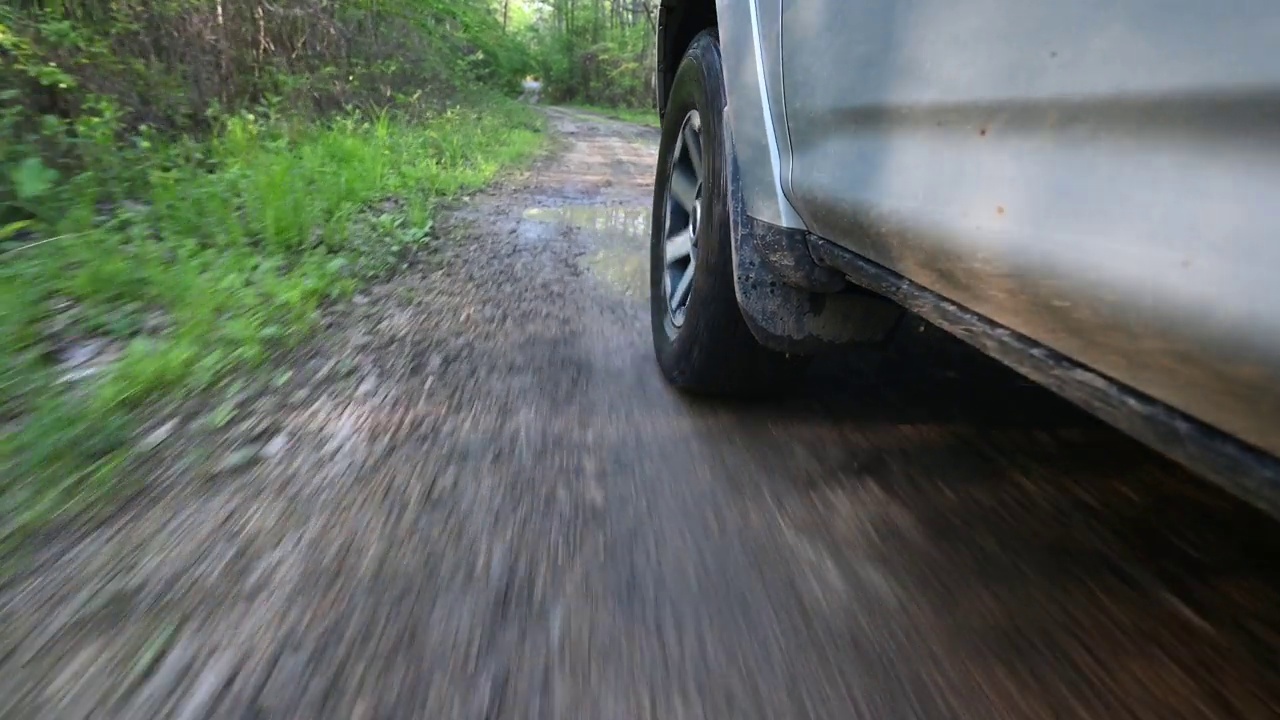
pixel 476 499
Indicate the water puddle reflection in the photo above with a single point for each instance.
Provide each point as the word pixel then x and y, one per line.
pixel 619 236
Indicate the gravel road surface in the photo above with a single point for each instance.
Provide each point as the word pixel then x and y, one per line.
pixel 475 498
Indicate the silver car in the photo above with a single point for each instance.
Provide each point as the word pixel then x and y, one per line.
pixel 1089 192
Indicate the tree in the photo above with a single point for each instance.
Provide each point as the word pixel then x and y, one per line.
pixel 595 51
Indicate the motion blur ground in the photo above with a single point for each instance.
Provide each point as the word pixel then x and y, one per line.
pixel 487 504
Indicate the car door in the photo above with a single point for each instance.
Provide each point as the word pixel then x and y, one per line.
pixel 1103 176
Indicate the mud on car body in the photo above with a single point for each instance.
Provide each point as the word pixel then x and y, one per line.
pixel 1084 193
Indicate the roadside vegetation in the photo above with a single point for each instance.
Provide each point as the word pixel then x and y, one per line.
pixel 646 116
pixel 597 53
pixel 184 184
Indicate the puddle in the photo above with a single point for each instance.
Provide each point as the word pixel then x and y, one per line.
pixel 615 223
pixel 625 271
pixel 620 235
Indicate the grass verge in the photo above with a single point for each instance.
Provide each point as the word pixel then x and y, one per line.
pixel 222 255
pixel 639 117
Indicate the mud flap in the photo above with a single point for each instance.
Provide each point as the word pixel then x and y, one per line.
pixel 787 318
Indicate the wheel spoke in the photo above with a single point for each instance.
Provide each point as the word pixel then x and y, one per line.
pixel 693 146
pixel 681 291
pixel 678 246
pixel 684 188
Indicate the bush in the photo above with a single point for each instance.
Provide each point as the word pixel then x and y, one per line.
pixel 183 185
pixel 222 257
pixel 596 53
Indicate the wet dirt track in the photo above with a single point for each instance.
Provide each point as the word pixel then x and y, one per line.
pixel 494 508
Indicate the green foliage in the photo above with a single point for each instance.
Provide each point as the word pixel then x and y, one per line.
pixel 31 179
pixel 639 117
pixel 222 255
pixel 488 52
pixel 597 52
pixel 184 183
pixel 169 63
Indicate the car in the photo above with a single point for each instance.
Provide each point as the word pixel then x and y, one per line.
pixel 1089 193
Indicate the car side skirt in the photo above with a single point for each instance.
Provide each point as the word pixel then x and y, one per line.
pixel 1239 467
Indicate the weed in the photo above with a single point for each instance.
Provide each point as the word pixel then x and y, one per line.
pixel 639 117
pixel 220 256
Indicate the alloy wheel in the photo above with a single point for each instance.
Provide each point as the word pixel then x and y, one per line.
pixel 682 218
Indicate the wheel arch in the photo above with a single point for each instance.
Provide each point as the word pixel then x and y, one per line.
pixel 679 22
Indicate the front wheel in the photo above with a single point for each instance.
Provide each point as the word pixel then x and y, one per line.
pixel 701 341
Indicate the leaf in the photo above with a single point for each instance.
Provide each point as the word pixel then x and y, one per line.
pixel 13 228
pixel 31 178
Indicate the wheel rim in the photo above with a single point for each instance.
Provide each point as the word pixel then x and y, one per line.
pixel 683 216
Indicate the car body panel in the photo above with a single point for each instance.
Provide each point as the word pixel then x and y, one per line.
pixel 1100 177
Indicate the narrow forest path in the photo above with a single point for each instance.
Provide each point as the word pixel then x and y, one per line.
pixel 477 499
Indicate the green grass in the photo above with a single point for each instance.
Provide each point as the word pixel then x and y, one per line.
pixel 221 258
pixel 639 117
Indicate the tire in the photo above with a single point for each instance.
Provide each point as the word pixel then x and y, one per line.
pixel 702 344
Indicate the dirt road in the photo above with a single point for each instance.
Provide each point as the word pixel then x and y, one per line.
pixel 476 499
